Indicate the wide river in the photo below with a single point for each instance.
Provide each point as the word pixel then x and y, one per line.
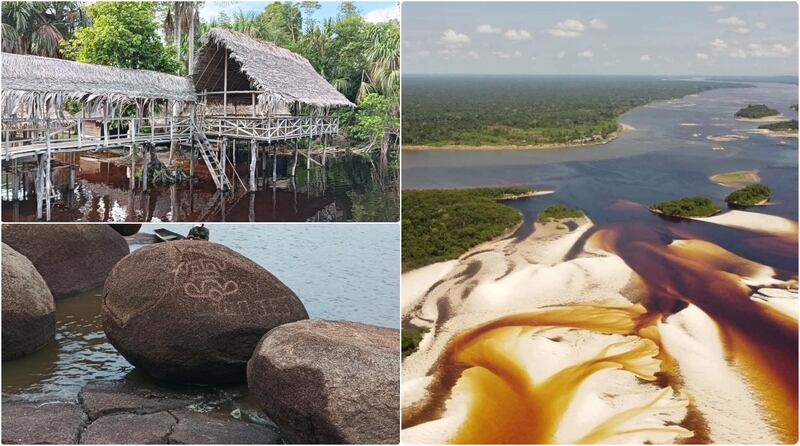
pixel 664 158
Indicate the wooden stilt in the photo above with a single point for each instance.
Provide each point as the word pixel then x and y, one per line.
pixel 275 164
pixel 308 155
pixel 253 165
pixel 39 185
pixel 48 172
pixel 145 165
pixel 294 166
pixel 324 149
pixel 224 149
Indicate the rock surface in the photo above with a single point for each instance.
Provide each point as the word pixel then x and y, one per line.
pixel 29 319
pixel 41 423
pixel 329 381
pixel 126 229
pixel 119 412
pixel 193 311
pixel 72 258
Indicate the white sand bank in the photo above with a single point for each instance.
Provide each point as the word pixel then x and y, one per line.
pixel 754 221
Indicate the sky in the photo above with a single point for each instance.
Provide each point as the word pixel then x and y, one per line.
pixel 372 11
pixel 720 38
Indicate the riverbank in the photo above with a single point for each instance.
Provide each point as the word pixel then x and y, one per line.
pixel 771 118
pixel 621 128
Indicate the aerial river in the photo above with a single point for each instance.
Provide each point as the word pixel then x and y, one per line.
pixel 554 335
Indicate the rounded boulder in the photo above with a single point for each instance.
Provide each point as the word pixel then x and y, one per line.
pixel 126 229
pixel 28 309
pixel 329 381
pixel 192 311
pixel 72 258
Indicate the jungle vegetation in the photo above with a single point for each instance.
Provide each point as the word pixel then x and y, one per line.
pixel 441 225
pixel 526 110
pixel 411 338
pixel 783 126
pixel 558 212
pixel 756 111
pixel 698 206
pixel 750 195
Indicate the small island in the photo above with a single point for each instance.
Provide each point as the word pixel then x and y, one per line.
pixel 758 112
pixel 698 206
pixel 556 212
pixel 736 178
pixel 752 195
pixel 783 126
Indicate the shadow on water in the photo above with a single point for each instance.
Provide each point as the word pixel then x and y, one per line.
pixel 92 186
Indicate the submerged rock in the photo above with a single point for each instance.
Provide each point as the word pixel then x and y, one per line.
pixel 126 229
pixel 29 319
pixel 127 428
pixel 72 258
pixel 48 422
pixel 329 381
pixel 192 312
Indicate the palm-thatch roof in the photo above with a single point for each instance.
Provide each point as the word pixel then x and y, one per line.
pixel 41 83
pixel 281 76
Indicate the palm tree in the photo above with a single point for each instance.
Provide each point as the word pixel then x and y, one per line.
pixel 382 74
pixel 38 27
pixel 177 16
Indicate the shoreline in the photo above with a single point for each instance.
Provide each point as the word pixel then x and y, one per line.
pixel 621 128
pixel 770 118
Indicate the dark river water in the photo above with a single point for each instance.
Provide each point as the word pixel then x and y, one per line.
pixel 660 160
pixel 340 272
pixel 349 188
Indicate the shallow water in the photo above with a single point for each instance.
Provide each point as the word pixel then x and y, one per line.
pixel 349 188
pixel 344 272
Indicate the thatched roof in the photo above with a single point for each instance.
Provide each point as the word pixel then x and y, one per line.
pixel 281 75
pixel 50 82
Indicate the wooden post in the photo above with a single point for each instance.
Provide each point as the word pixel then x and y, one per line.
pixel 132 181
pixel 324 149
pixel 39 185
pixel 78 128
pixel 294 166
pixel 264 160
pixel 48 180
pixel 192 119
pixel 253 97
pixel 105 122
pixel 145 166
pixel 275 164
pixel 252 165
pixel 224 149
pixel 225 87
pixel 153 126
pixel 308 155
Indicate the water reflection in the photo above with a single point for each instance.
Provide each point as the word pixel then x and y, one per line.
pixel 92 186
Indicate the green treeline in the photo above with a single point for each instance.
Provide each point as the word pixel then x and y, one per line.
pixel 698 206
pixel 558 212
pixel 526 110
pixel 441 225
pixel 783 126
pixel 749 195
pixel 756 111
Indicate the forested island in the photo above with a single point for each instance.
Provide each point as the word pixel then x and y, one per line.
pixel 757 111
pixel 441 225
pixel 556 212
pixel 751 195
pixel 698 206
pixel 527 110
pixel 783 126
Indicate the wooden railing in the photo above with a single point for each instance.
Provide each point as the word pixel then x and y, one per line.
pixel 270 129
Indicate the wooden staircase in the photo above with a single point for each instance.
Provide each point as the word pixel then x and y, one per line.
pixel 212 161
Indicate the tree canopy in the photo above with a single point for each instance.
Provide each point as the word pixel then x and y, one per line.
pixel 122 34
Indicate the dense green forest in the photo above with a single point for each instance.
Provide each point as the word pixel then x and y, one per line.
pixel 526 110
pixel 756 111
pixel 783 126
pixel 749 195
pixel 359 58
pixel 558 212
pixel 698 206
pixel 441 225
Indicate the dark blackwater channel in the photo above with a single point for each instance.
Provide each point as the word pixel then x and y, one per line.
pixel 348 188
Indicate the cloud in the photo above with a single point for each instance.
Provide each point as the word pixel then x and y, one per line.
pixel 451 37
pixel 517 34
pixel 715 8
pixel 507 55
pixel 644 58
pixel 738 53
pixel 473 55
pixel 567 28
pixel 732 20
pixel 718 43
pixel 775 50
pixel 761 25
pixel 383 14
pixel 561 54
pixel 598 24
pixel 488 29
pixel 701 56
pixel 742 30
pixel 587 54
